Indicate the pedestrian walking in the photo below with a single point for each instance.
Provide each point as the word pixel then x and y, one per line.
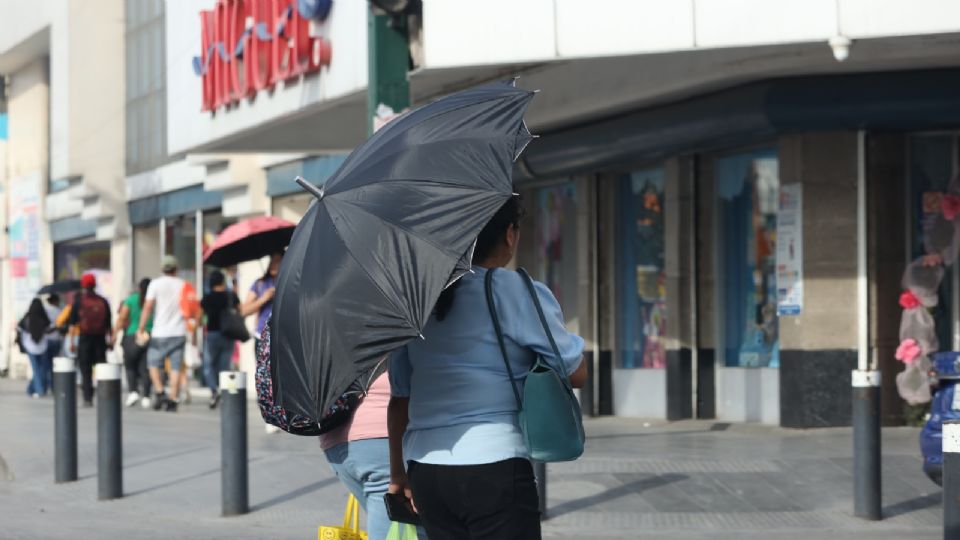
pixel 134 349
pixel 218 347
pixel 91 315
pixel 55 337
pixel 34 334
pixel 456 447
pixel 259 300
pixel 359 453
pixel 167 340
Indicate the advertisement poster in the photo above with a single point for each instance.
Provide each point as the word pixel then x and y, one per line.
pixel 24 219
pixel 790 251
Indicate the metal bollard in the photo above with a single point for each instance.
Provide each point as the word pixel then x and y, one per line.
pixel 866 445
pixel 65 420
pixel 234 484
pixel 540 474
pixel 951 479
pixel 109 432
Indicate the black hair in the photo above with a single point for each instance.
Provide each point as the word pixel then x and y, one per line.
pixel 216 279
pixel 144 283
pixel 53 299
pixel 36 321
pixel 489 238
pixel 266 273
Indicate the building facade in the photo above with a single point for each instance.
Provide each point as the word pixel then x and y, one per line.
pixel 692 198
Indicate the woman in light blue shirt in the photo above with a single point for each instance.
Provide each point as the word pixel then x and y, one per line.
pixel 453 415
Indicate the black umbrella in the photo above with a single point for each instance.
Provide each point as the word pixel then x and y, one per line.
pixel 62 286
pixel 389 231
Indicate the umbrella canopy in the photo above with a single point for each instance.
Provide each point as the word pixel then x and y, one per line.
pixel 62 286
pixel 249 240
pixel 393 227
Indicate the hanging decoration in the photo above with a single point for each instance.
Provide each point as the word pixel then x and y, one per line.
pixel 921 284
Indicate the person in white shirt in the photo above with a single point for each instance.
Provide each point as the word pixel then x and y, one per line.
pixel 168 337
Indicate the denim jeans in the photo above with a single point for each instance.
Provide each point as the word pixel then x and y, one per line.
pixel 364 468
pixel 40 383
pixel 217 353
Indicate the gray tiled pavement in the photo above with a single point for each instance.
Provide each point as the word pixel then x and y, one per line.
pixel 686 481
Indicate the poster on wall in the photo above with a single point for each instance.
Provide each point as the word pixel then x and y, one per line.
pixel 24 238
pixel 790 251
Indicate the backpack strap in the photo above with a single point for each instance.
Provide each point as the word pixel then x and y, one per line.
pixel 488 287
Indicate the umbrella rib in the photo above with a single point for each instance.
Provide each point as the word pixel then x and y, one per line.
pixel 338 176
pixel 392 126
pixel 429 182
pixel 369 276
pixel 441 249
pixel 332 187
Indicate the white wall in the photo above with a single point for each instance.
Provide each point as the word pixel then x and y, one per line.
pixel 640 392
pixel 188 127
pixel 541 30
pixel 748 395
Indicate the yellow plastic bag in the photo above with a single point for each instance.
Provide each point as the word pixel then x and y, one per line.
pixel 351 525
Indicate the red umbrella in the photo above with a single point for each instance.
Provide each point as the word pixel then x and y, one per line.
pixel 249 240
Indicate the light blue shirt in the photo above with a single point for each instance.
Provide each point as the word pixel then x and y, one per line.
pixel 462 410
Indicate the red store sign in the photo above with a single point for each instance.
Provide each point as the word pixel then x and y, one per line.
pixel 251 45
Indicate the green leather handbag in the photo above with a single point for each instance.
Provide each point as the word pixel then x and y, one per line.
pixel 549 412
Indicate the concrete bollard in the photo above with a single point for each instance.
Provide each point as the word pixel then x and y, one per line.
pixel 109 432
pixel 234 482
pixel 951 479
pixel 866 445
pixel 65 420
pixel 540 473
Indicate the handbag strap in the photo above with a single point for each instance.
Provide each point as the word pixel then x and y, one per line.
pixel 543 321
pixel 488 287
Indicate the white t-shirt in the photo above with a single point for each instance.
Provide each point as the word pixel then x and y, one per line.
pixel 167 318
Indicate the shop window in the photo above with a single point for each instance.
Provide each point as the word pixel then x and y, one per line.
pixel 931 169
pixel 641 278
pixel 555 238
pixel 747 188
pixel 74 258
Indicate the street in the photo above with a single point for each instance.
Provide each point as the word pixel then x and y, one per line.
pixel 684 480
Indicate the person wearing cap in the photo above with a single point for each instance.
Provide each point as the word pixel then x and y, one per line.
pixel 91 315
pixel 168 336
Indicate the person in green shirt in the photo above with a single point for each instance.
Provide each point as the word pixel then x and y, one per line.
pixel 134 352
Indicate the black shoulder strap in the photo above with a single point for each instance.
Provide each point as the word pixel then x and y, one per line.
pixel 488 286
pixel 543 321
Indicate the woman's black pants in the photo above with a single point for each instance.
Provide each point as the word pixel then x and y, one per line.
pixel 494 501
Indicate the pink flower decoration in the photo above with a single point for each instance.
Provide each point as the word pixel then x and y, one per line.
pixel 908 351
pixel 950 206
pixel 908 300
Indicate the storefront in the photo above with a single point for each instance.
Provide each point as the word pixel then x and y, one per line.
pixel 711 265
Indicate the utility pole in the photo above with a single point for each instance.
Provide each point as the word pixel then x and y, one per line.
pixel 388 58
pixel 866 378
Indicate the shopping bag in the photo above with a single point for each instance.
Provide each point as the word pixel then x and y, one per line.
pixel 191 356
pixel 350 530
pixel 115 356
pixel 402 531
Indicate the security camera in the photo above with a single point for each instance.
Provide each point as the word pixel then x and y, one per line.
pixel 841 47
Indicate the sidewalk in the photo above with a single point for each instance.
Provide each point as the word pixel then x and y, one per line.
pixel 687 480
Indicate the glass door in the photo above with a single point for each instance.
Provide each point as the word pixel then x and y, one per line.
pixel 746 219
